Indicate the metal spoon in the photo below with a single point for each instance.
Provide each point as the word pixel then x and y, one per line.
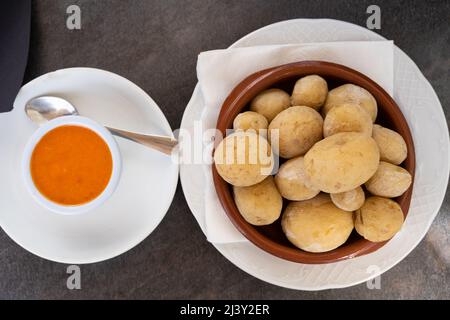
pixel 45 108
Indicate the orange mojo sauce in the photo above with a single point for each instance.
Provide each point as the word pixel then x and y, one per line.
pixel 71 165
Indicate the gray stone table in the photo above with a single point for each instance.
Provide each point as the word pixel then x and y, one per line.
pixel 155 44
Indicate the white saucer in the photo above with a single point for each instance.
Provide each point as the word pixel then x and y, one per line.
pixel 426 119
pixel 145 190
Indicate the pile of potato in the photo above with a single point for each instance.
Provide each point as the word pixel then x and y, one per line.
pixel 332 149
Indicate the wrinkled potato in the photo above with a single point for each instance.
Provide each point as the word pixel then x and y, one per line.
pixel 350 93
pixel 379 219
pixel 391 144
pixel 347 118
pixel 310 91
pixel 299 128
pixel 349 200
pixel 293 183
pixel 251 120
pixel 389 181
pixel 316 225
pixel 259 204
pixel 270 102
pixel 342 162
pixel 243 158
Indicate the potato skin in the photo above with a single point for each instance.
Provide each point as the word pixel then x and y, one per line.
pixel 270 102
pixel 342 162
pixel 251 120
pixel 251 158
pixel 292 181
pixel 379 219
pixel 350 93
pixel 316 225
pixel 389 181
pixel 310 91
pixel 259 204
pixel 350 200
pixel 299 128
pixel 347 118
pixel 392 146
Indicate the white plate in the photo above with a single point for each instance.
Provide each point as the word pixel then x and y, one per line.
pixel 145 191
pixel 426 119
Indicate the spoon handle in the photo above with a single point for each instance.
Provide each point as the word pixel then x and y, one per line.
pixel 160 143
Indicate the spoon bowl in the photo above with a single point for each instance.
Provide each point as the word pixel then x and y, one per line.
pixel 43 109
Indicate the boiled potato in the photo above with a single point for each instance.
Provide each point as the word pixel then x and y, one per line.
pixel 389 181
pixel 316 225
pixel 243 158
pixel 293 183
pixel 342 162
pixel 392 145
pixel 347 118
pixel 310 91
pixel 259 204
pixel 270 102
pixel 379 219
pixel 251 120
pixel 349 200
pixel 298 127
pixel 350 93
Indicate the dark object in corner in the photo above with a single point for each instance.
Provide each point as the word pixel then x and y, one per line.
pixel 15 19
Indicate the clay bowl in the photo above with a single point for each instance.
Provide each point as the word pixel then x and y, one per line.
pixel 271 238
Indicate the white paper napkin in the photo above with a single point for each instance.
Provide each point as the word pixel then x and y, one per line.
pixel 219 71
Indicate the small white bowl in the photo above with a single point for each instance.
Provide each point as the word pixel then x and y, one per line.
pixel 83 122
